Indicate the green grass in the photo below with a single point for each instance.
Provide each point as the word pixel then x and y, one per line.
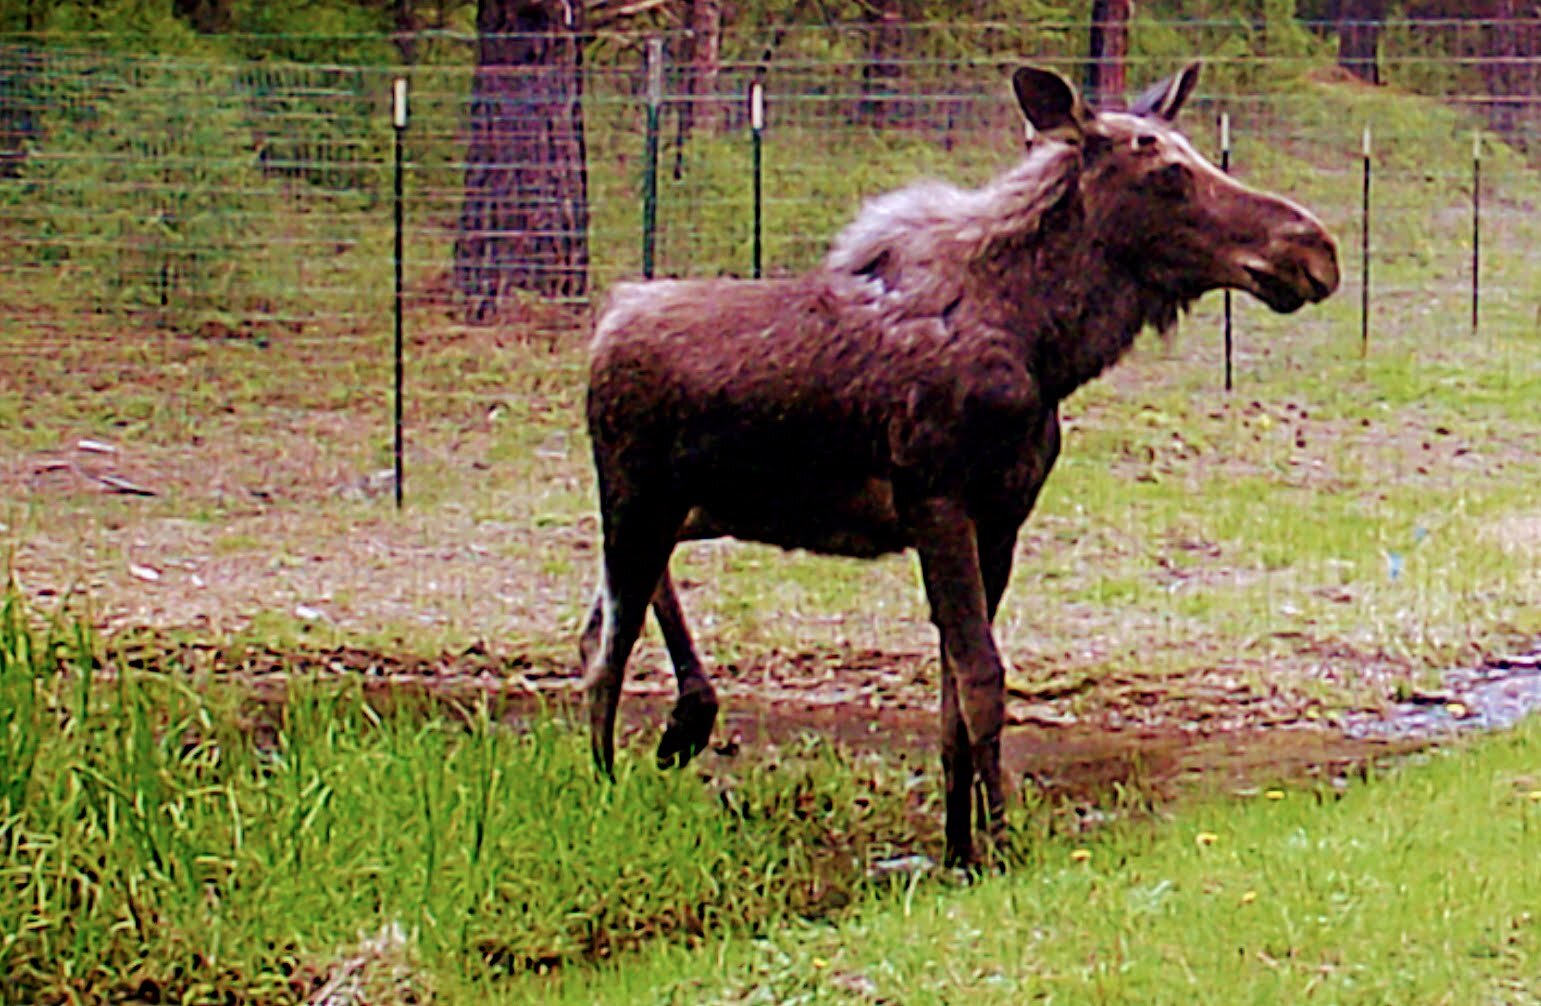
pixel 170 837
pixel 176 838
pixel 1409 885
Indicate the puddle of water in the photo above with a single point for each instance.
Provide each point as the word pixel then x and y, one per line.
pixel 1494 696
pixel 1076 763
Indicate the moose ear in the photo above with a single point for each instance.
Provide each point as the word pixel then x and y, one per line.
pixel 1048 101
pixel 1165 99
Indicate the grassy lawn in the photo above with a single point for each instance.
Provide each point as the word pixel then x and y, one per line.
pixel 170 839
pixel 1409 885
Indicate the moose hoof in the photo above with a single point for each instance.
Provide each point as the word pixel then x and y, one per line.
pixel 689 729
pixel 990 850
pixel 988 859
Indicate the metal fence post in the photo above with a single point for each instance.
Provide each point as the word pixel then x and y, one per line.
pixel 1476 229
pixel 756 130
pixel 650 154
pixel 1225 166
pixel 1364 256
pixel 399 126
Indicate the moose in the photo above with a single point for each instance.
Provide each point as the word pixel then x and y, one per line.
pixel 904 395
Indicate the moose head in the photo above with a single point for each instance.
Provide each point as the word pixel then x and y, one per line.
pixel 1169 216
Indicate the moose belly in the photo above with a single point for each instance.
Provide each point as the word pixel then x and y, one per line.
pixel 860 522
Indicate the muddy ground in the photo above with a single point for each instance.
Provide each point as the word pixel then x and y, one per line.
pixel 1075 744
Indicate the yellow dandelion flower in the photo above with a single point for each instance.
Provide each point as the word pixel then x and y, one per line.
pixel 1275 794
pixel 1206 838
pixel 1249 897
pixel 819 963
pixel 1534 795
pixel 1081 855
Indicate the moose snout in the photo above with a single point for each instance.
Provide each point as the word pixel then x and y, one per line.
pixel 1297 265
pixel 1315 255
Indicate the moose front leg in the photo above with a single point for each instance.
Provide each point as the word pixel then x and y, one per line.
pixel 957 772
pixel 973 676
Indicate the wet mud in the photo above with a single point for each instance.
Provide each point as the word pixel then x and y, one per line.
pixel 1080 763
pixel 1076 744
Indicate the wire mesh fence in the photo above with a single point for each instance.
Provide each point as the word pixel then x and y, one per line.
pixel 167 219
pixel 242 196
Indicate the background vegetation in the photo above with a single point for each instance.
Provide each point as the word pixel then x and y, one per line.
pixel 147 145
pixel 177 840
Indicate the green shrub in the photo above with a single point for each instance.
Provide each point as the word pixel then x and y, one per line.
pixel 146 196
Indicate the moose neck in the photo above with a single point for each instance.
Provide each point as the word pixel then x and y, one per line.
pixel 1074 307
pixel 1028 254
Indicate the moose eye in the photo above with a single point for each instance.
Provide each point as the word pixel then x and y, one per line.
pixel 1145 143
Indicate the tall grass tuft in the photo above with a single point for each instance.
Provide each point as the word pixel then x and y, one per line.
pixel 19 715
pixel 172 842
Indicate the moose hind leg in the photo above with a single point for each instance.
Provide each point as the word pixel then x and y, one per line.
pixel 695 712
pixel 636 553
pixel 588 642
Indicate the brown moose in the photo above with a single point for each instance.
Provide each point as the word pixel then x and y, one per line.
pixel 905 393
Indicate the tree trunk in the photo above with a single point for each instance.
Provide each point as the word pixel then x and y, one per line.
pixel 524 222
pixel 208 17
pixel 20 69
pixel 1510 47
pixel 703 65
pixel 880 75
pixel 1359 27
pixel 1107 51
pixel 405 26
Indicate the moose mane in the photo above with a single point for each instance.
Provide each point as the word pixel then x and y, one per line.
pixel 906 246
pixel 1021 241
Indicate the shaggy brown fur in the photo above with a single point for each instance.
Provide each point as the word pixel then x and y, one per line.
pixel 905 395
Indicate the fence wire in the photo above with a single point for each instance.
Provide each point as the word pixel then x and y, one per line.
pixel 196 294
pixel 254 198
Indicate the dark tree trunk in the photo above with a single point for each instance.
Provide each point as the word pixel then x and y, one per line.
pixel 880 75
pixel 703 65
pixel 20 69
pixel 405 26
pixel 208 17
pixel 1511 45
pixel 1106 52
pixel 524 223
pixel 1359 27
